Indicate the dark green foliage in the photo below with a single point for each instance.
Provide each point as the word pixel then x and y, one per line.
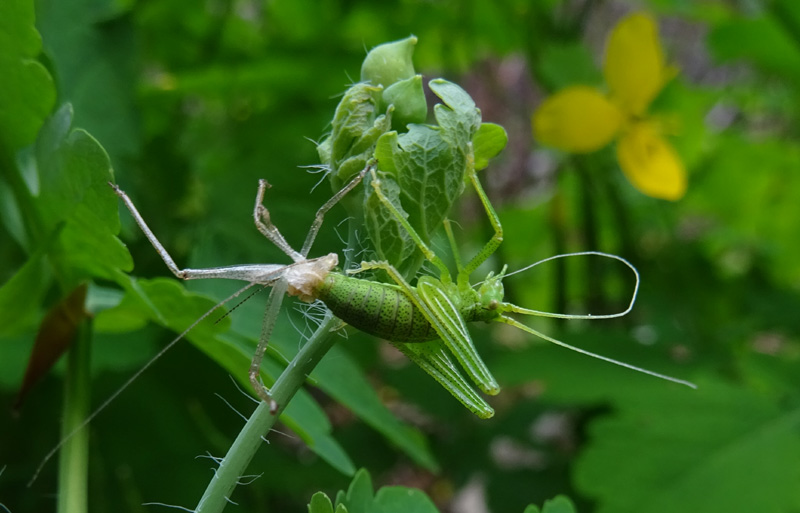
pixel 190 104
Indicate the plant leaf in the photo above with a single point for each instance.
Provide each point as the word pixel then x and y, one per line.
pixel 74 172
pixel 56 334
pixel 27 92
pixel 167 303
pixel 21 296
pixel 488 142
pixel 558 504
pixel 666 451
pixel 401 499
pixel 320 503
pixel 428 164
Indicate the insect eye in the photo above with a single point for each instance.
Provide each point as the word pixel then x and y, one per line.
pixel 492 305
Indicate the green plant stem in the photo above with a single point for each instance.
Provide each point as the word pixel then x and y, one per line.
pixel 73 461
pixel 593 270
pixel 233 466
pixel 262 420
pixel 557 215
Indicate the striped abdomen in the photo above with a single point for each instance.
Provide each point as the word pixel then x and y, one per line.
pixel 376 308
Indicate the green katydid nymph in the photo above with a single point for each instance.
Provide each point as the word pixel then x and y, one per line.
pixel 426 322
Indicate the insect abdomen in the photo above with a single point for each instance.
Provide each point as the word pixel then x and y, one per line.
pixel 376 308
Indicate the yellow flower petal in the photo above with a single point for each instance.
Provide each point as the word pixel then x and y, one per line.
pixel 634 64
pixel 650 163
pixel 577 119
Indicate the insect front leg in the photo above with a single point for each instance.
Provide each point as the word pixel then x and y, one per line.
pixel 497 238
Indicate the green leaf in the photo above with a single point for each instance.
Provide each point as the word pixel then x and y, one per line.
pixel 355 128
pixel 93 57
pixel 428 164
pixel 74 172
pixel 400 499
pixel 562 64
pixel 389 63
pixel 359 495
pixel 320 503
pixel 456 115
pixel 409 102
pixel 27 93
pixel 21 296
pixel 666 451
pixel 761 41
pixel 167 303
pixel 756 209
pixel 488 142
pixel 341 378
pixel 391 242
pixel 558 504
pixel 389 499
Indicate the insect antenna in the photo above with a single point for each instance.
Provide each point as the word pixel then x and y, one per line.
pixel 517 324
pixel 508 307
pixel 128 383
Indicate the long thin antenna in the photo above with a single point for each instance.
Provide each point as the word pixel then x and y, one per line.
pixel 507 307
pixel 127 383
pixel 517 324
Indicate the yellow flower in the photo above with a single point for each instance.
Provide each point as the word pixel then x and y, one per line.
pixel 581 119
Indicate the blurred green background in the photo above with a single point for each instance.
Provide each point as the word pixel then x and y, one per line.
pixel 194 102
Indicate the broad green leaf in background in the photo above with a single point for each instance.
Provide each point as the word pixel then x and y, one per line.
pixel 748 211
pixel 21 296
pixel 74 172
pixel 93 58
pixel 340 377
pixel 167 303
pixel 723 448
pixel 27 93
pixel 761 41
pixel 564 64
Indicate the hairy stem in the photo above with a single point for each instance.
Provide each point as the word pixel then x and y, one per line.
pixel 219 489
